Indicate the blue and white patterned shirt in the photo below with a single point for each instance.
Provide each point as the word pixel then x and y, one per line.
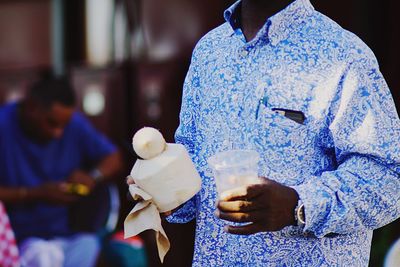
pixel 344 161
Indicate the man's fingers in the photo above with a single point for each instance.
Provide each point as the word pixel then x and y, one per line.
pixel 167 213
pixel 240 217
pixel 237 206
pixel 248 229
pixel 233 216
pixel 242 193
pixel 129 180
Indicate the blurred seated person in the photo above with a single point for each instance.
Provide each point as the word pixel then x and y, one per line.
pixel 46 150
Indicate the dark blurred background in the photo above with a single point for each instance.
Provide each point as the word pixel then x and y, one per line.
pixel 128 59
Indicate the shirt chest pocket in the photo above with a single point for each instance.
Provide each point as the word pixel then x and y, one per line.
pixel 285 147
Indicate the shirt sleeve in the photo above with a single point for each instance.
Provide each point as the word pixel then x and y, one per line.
pixel 94 145
pixel 363 192
pixel 186 134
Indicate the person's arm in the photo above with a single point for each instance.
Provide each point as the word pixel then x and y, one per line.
pixel 98 150
pixel 16 194
pixel 53 192
pixel 363 192
pixel 186 134
pixel 107 168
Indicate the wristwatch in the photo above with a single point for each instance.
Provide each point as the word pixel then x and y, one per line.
pixel 96 174
pixel 299 215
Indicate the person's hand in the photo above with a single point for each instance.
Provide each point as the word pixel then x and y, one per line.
pixel 54 193
pixel 81 177
pixel 129 180
pixel 264 207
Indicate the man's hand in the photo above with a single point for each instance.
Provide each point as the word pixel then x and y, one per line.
pixel 130 180
pixel 266 207
pixel 81 177
pixel 54 193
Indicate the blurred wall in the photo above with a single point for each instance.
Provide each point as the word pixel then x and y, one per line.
pixel 24 34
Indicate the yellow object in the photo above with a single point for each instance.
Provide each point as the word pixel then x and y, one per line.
pixel 79 189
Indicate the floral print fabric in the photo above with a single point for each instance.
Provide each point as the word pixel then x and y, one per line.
pixel 344 160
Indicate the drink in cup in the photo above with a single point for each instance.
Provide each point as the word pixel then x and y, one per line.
pixel 234 168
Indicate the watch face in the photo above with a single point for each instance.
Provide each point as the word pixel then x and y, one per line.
pixel 96 174
pixel 299 214
pixel 302 218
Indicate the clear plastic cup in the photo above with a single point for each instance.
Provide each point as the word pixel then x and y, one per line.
pixel 234 168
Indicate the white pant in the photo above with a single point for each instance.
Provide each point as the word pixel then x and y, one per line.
pixel 78 250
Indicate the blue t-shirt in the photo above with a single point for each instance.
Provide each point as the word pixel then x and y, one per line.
pixel 25 163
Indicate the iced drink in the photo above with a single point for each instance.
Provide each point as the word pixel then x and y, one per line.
pixel 234 168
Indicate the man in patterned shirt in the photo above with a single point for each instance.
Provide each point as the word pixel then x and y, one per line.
pixel 337 167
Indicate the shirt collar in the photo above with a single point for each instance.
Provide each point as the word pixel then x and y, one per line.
pixel 232 16
pixel 277 27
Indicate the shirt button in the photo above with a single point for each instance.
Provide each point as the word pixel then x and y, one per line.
pixel 243 52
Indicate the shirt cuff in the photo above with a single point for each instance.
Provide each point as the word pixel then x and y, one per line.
pixel 184 214
pixel 316 204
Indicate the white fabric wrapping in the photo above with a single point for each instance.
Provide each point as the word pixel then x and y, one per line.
pixel 170 178
pixel 163 183
pixel 393 257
